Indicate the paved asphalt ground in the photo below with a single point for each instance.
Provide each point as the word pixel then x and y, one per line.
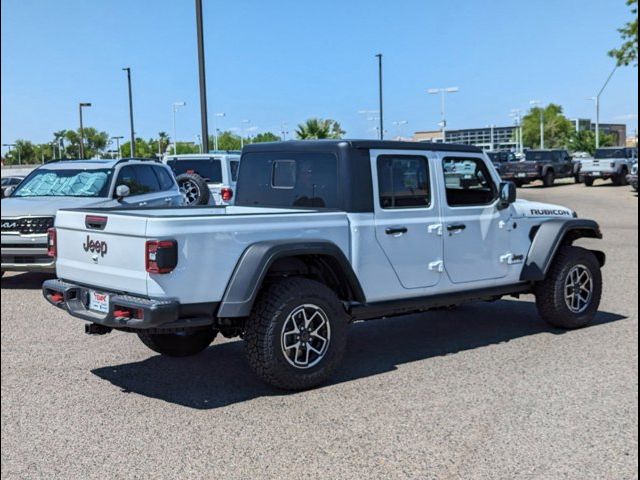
pixel 488 391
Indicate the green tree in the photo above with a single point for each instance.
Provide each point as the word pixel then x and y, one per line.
pixel 585 141
pixel 557 127
pixel 227 141
pixel 317 128
pixel 24 152
pixel 95 143
pixel 266 137
pixel 628 51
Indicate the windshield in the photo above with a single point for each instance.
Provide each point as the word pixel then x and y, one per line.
pixel 502 156
pixel 610 153
pixel 208 168
pixel 538 156
pixel 65 183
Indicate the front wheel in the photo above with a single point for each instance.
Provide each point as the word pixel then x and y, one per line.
pixel 620 180
pixel 297 334
pixel 181 344
pixel 570 295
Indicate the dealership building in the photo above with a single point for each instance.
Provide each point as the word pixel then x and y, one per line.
pixel 504 138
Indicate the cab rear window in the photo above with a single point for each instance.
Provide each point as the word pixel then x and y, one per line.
pixel 208 168
pixel 280 179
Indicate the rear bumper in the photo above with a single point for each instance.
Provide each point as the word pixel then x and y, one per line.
pixel 124 311
pixel 598 174
pixel 27 259
pixel 524 176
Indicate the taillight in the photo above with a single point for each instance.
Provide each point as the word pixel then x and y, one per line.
pixel 52 243
pixel 161 256
pixel 227 194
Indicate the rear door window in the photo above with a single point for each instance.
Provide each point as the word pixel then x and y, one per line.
pixel 208 168
pixel 164 178
pixel 147 179
pixel 403 181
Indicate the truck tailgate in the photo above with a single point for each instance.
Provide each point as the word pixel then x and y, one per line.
pixel 111 256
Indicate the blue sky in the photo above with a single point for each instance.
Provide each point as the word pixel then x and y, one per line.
pixel 287 60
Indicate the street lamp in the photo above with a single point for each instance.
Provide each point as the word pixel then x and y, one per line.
pixel 596 99
pixel 538 103
pixel 117 139
pixel 81 105
pixel 175 106
pixel 379 56
pixel 13 145
pixel 245 122
pixel 215 129
pixel 516 114
pixel 443 92
pixel 133 135
pixel 283 130
pixel 371 116
pixel 399 124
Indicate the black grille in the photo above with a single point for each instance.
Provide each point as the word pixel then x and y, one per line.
pixel 27 225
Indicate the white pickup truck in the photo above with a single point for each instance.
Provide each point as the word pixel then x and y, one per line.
pixel 323 233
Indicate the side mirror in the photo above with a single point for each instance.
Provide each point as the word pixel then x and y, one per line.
pixel 8 191
pixel 508 194
pixel 122 191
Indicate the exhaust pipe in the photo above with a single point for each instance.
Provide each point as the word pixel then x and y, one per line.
pixel 96 329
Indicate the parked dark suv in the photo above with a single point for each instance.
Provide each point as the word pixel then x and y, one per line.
pixel 545 165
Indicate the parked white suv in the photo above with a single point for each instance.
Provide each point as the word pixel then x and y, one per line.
pixel 206 179
pixel 609 163
pixel 29 209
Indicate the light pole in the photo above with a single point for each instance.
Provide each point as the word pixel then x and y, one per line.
pixel 398 124
pixel 215 129
pixel 493 145
pixel 283 130
pixel 133 134
pixel 538 103
pixel 372 115
pixel 81 105
pixel 596 99
pixel 199 140
pixel 516 114
pixel 443 92
pixel 13 145
pixel 245 122
pixel 117 139
pixel 379 56
pixel 175 106
pixel 202 79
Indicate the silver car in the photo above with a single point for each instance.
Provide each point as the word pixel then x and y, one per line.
pixel 30 208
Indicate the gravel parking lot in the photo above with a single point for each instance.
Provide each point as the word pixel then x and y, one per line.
pixel 487 391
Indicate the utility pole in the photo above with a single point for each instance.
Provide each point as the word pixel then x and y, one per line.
pixel 596 99
pixel 133 135
pixel 203 82
pixel 117 139
pixel 80 106
pixel 538 103
pixel 379 55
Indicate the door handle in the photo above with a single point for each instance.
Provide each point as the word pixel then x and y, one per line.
pixel 456 228
pixel 142 204
pixel 168 199
pixel 395 230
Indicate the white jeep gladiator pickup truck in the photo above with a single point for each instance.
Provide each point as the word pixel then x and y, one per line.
pixel 323 233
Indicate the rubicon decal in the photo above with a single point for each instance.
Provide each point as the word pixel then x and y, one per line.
pixel 548 212
pixel 95 246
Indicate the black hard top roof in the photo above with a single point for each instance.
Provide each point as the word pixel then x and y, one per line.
pixel 360 144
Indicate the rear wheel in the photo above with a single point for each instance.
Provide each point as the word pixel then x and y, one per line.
pixel 621 179
pixel 549 179
pixel 194 189
pixel 519 183
pixel 570 295
pixel 588 181
pixel 181 344
pixel 297 334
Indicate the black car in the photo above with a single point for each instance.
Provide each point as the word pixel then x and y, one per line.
pixel 545 165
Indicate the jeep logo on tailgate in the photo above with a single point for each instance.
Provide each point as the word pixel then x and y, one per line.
pixel 95 246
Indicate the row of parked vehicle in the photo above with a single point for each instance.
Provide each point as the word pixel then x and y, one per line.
pixel 618 164
pixel 32 203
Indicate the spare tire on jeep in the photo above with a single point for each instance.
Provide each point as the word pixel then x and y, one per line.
pixel 194 189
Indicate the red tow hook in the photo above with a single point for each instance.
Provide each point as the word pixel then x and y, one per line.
pixel 57 297
pixel 122 313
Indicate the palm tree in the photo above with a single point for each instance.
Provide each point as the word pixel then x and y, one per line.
pixel 58 139
pixel 163 140
pixel 317 128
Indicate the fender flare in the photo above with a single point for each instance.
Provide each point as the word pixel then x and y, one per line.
pixel 547 242
pixel 253 265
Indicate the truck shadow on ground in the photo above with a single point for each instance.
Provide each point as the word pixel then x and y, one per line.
pixel 25 281
pixel 220 376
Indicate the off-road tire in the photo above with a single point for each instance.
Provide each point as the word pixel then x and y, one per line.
pixel 577 179
pixel 194 189
pixel 588 182
pixel 182 344
pixel 519 183
pixel 264 331
pixel 620 180
pixel 549 179
pixel 550 293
